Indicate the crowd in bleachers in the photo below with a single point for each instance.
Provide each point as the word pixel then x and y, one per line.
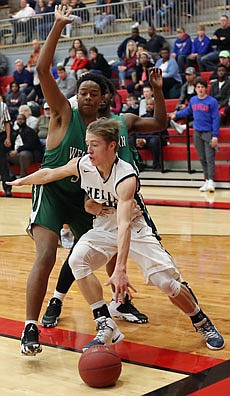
pixel 136 55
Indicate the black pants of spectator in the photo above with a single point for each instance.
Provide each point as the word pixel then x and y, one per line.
pixel 23 27
pixel 23 159
pixel 4 166
pixel 168 83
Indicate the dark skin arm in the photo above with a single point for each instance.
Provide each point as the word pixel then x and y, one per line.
pixel 159 122
pixel 59 105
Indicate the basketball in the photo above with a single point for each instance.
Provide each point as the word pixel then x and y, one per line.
pixel 99 366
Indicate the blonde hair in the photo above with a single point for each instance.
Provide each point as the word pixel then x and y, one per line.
pixel 130 54
pixel 106 128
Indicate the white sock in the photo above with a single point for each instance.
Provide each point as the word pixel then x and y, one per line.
pixel 31 321
pixel 59 295
pixel 98 304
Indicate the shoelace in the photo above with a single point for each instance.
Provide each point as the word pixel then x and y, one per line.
pixel 101 327
pixel 52 308
pixel 208 331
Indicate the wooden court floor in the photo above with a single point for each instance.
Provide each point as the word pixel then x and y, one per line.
pixel 163 357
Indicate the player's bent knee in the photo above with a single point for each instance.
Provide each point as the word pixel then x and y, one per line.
pixel 79 264
pixel 169 286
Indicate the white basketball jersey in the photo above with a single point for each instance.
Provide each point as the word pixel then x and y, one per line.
pixel 104 191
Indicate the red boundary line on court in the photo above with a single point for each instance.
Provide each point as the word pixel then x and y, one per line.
pixel 159 202
pixel 221 388
pixel 129 351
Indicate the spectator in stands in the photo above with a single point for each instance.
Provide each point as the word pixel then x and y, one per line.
pixel 142 71
pixel 165 15
pixel 187 89
pixel 69 60
pixel 36 94
pixel 182 47
pixel 220 89
pixel 44 21
pixel 43 124
pixel 155 43
pixel 143 48
pixel 81 64
pixel 103 18
pixel 131 105
pixel 205 112
pixel 23 77
pixel 27 147
pixel 5 143
pixel 31 121
pixel 66 82
pixel 201 46
pixel 221 41
pixel 225 117
pixel 76 19
pixel 116 103
pixel 147 93
pixel 146 14
pixel 121 51
pixel 170 72
pixel 128 68
pixel 224 59
pixel 78 44
pixel 98 63
pixel 14 99
pixel 151 141
pixel 3 64
pixel 23 22
pixel 80 9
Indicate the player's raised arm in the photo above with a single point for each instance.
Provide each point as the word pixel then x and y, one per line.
pixel 47 175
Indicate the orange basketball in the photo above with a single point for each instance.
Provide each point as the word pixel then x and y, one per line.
pixel 99 366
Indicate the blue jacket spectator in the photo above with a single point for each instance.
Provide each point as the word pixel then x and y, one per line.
pixel 182 48
pixel 200 46
pixel 121 51
pixel 23 77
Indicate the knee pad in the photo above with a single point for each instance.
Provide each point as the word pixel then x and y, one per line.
pixel 166 284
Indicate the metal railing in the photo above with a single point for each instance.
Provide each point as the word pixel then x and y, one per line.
pixel 118 18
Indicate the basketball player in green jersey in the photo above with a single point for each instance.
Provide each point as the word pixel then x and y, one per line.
pixel 63 202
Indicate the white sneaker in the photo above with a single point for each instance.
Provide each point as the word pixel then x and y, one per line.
pixel 180 128
pixel 126 311
pixel 66 239
pixel 204 187
pixel 211 186
pixel 107 333
pixel 135 25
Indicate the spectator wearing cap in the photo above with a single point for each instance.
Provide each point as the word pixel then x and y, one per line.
pixel 224 59
pixel 201 46
pixel 23 77
pixel 182 47
pixel 43 124
pixel 221 41
pixel 170 71
pixel 187 89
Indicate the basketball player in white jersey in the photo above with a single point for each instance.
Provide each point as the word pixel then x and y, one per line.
pixel 113 182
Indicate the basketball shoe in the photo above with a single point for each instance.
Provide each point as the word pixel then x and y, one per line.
pixel 53 311
pixel 30 344
pixel 206 328
pixel 107 333
pixel 127 311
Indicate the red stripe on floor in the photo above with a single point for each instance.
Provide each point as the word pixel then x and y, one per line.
pixel 187 204
pixel 221 388
pixel 135 353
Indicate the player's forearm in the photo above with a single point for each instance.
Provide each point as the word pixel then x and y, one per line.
pixel 123 244
pixel 45 59
pixel 160 109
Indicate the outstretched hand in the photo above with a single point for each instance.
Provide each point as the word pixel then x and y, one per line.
pixel 155 77
pixel 121 283
pixel 62 14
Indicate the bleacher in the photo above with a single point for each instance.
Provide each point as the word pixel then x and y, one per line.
pixel 174 154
